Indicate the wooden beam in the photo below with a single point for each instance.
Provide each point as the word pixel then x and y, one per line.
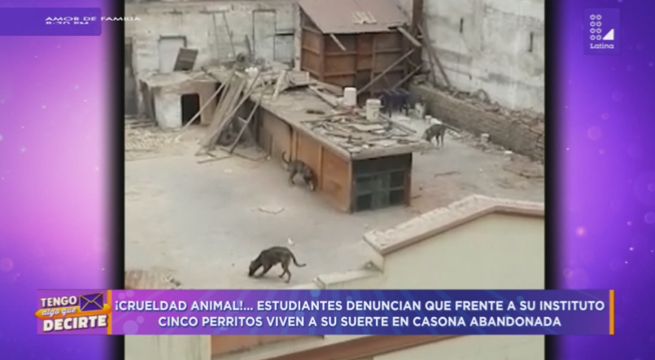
pixel 197 115
pixel 432 52
pixel 407 77
pixel 385 71
pixel 363 347
pixel 247 122
pixel 417 14
pixel 409 36
pixel 339 44
pixel 321 59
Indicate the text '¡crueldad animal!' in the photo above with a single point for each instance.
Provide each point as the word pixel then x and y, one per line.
pixel 297 167
pixel 272 256
pixel 437 132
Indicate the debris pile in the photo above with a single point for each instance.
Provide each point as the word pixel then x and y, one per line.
pixel 354 133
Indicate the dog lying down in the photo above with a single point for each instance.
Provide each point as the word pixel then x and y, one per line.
pixel 273 256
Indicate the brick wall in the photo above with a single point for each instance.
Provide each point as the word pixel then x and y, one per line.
pixel 520 132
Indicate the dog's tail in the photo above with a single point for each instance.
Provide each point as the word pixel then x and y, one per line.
pixel 296 261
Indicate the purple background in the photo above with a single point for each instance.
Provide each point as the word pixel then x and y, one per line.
pixel 54 175
pixel 32 21
pixel 606 207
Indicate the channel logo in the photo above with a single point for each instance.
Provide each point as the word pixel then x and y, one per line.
pixel 602 32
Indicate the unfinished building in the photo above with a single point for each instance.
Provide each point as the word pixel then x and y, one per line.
pixel 340 86
pixel 373 44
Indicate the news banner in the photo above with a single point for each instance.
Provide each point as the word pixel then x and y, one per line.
pixel 326 312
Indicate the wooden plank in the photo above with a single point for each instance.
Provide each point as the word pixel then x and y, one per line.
pixel 406 77
pixel 335 180
pixel 340 53
pixel 388 40
pixel 350 189
pixel 339 65
pixel 330 101
pixel 339 44
pixel 197 115
pixel 417 14
pixel 385 71
pixel 409 36
pixel 217 129
pixel 320 166
pixel 247 122
pixel 339 73
pixel 322 59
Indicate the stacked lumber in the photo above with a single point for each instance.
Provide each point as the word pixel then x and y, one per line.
pixel 236 92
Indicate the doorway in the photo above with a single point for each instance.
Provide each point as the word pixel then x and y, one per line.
pixel 190 107
pixel 264 34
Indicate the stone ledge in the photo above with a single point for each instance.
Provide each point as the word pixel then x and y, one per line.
pixel 443 219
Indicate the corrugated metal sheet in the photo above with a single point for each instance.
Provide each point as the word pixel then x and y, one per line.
pixel 353 16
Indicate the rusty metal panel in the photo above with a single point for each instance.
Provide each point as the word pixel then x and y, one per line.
pixel 353 16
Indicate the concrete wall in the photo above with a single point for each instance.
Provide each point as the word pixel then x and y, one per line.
pixel 475 348
pixel 167 348
pixel 485 44
pixel 268 24
pixel 496 251
pixel 168 103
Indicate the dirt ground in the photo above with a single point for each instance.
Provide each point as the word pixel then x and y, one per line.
pixel 204 221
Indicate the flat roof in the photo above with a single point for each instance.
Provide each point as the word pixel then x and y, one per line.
pixel 350 135
pixel 174 78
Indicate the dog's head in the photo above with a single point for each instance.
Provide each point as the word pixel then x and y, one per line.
pixel 254 265
pixel 426 135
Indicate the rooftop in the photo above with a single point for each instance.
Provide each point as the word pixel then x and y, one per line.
pixel 348 134
pixel 353 16
pixel 175 78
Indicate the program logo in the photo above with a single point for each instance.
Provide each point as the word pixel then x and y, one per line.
pixel 602 35
pixel 86 313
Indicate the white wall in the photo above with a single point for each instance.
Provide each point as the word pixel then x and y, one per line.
pixel 492 52
pixel 497 251
pixel 203 26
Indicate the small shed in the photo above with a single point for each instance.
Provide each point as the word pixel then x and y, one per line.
pixel 359 164
pixel 172 99
pixel 361 43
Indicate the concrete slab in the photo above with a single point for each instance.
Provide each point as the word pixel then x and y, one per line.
pixel 205 223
